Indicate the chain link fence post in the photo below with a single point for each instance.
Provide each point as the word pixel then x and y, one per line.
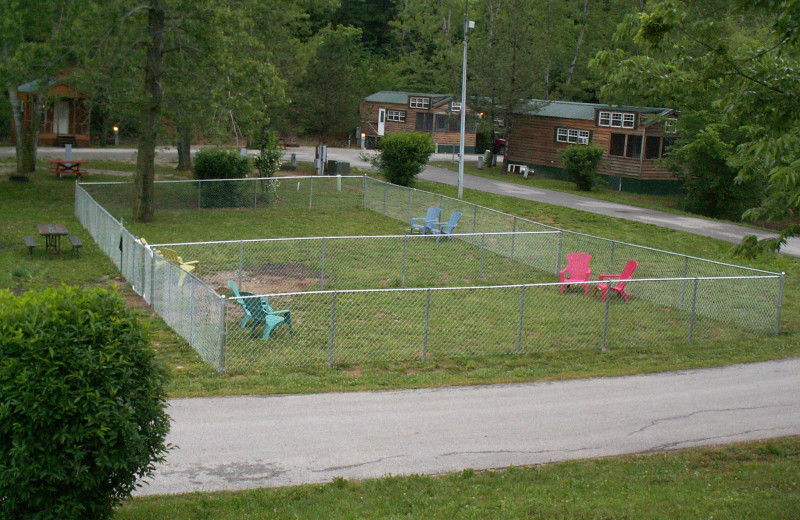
pixel 364 192
pixel 691 317
pixel 223 332
pixel 780 303
pixel 604 346
pixel 333 328
pixel 322 266
pixel 385 187
pixel 255 194
pixel 403 272
pixel 513 236
pixel 427 319
pixel 199 195
pixel 191 314
pixel 483 245
pixel 310 191
pixel 560 249
pixel 241 263
pixel 152 278
pixel 683 284
pixel 521 313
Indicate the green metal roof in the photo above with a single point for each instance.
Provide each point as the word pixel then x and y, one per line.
pixel 575 110
pixel 401 98
pixel 33 86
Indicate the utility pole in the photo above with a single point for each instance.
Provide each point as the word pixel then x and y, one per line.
pixel 463 104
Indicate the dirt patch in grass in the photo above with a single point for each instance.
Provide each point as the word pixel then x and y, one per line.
pixel 267 279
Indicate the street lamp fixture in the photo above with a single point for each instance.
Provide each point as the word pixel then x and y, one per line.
pixel 467 25
pixel 116 135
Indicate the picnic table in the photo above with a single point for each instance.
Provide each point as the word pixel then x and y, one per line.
pixel 52 234
pixel 61 167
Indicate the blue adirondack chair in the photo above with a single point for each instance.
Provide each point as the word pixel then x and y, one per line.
pixel 446 228
pixel 259 312
pixel 428 222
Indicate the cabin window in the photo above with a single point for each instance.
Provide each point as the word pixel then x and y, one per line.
pixel 422 103
pixel 670 126
pixel 441 123
pixel 634 146
pixel 455 106
pixel 455 123
pixel 652 147
pixel 424 121
pixel 617 145
pixel 616 119
pixel 570 135
pixel 398 116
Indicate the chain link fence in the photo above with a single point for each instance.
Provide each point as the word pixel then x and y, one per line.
pixel 486 290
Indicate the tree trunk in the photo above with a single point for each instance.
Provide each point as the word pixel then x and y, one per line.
pixel 26 139
pixel 578 45
pixel 184 149
pixel 148 131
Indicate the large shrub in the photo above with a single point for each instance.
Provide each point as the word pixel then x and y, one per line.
pixel 710 187
pixel 82 403
pixel 581 163
pixel 402 156
pixel 220 164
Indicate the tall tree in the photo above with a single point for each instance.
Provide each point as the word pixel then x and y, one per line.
pixel 733 68
pixel 34 47
pixel 329 92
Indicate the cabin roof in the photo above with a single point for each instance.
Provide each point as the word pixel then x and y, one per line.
pixel 401 98
pixel 585 111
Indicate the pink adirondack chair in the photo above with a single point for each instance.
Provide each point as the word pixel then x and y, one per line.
pixel 619 286
pixel 577 269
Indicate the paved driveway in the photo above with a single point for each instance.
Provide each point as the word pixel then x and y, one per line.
pixel 246 442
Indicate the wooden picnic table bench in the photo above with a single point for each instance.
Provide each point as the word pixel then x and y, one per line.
pixel 61 167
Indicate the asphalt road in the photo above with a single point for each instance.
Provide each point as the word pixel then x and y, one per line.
pixel 247 442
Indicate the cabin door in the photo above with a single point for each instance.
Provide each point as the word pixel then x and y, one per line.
pixel 61 118
pixel 381 120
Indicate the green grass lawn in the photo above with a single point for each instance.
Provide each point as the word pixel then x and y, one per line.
pixel 755 480
pixel 47 199
pixel 750 480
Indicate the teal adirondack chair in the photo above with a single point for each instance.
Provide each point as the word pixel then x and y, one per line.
pixel 446 228
pixel 259 312
pixel 428 222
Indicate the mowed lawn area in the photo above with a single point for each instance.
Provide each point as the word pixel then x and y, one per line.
pixel 752 480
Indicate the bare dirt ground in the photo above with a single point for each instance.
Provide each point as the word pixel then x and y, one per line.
pixel 267 279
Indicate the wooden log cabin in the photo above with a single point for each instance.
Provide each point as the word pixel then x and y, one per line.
pixel 634 140
pixel 65 118
pixel 388 112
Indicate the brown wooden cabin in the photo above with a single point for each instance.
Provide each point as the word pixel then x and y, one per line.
pixel 634 139
pixel 388 112
pixel 66 115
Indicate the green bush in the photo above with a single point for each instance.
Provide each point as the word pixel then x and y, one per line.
pixel 220 164
pixel 581 163
pixel 709 181
pixel 269 160
pixel 402 156
pixel 82 403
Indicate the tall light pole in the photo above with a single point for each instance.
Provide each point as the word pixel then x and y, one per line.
pixel 463 104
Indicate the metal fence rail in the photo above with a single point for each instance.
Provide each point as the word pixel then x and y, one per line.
pixel 421 298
